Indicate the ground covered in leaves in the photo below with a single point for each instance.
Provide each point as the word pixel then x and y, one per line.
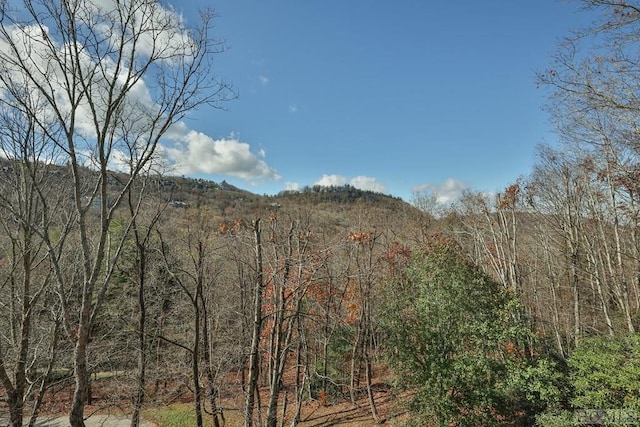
pixel 172 405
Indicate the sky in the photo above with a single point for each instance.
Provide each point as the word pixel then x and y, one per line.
pixel 395 97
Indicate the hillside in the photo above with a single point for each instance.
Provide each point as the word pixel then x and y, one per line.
pixel 319 268
pixel 223 196
pixel 335 205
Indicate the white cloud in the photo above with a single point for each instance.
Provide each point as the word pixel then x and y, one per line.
pixel 264 80
pixel 445 192
pixel 191 151
pixel 35 44
pixel 368 183
pixel 196 153
pixel 360 182
pixel 292 186
pixel 293 109
pixel 155 24
pixel 329 180
pixel 182 150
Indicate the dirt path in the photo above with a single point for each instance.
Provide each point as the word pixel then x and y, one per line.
pixel 93 421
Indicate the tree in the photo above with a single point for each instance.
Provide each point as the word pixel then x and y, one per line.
pixel 256 327
pixel 292 259
pixel 559 195
pixel 102 83
pixel 365 256
pixel 197 275
pixel 594 106
pixel 142 234
pixel 453 338
pixel 330 334
pixel 26 284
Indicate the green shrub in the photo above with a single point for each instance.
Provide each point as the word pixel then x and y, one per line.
pixel 605 373
pixel 604 380
pixel 454 339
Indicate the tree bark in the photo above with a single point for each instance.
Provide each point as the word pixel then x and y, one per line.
pixel 254 361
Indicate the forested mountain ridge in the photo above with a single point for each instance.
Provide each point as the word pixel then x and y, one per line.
pixel 324 270
pixel 134 290
pixel 197 192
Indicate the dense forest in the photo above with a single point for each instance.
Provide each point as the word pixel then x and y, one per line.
pixel 515 308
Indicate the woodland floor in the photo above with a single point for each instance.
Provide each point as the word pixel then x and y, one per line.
pixel 108 400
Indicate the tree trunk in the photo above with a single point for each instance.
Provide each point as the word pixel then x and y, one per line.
pixel 355 364
pixel 371 398
pixel 208 368
pixel 15 407
pixel 299 387
pixel 257 327
pixel 195 352
pixel 576 296
pixel 43 384
pixel 142 344
pixel 367 363
pixel 81 392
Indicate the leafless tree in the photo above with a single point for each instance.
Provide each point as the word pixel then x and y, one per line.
pixel 109 79
pixel 594 103
pixel 143 232
pixel 365 258
pixel 29 194
pixel 256 327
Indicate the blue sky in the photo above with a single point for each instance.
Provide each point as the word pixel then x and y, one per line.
pixel 390 96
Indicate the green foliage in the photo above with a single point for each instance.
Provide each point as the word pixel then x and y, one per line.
pixel 338 353
pixel 541 383
pixel 604 376
pixel 183 415
pixel 605 373
pixel 338 194
pixel 454 339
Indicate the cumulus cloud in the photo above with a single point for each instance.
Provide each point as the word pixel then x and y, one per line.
pixel 198 153
pixel 155 25
pixel 35 70
pixel 445 192
pixel 368 183
pixel 329 180
pixel 291 186
pixel 181 150
pixel 360 182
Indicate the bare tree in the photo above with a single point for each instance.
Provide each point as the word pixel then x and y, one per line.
pixel 24 180
pixel 196 272
pixel 366 260
pixel 560 199
pixel 256 327
pixel 111 79
pixel 594 103
pixel 142 233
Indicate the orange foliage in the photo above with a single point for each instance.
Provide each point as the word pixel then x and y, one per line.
pixel 353 312
pixel 224 227
pixel 323 398
pixel 397 256
pixel 237 225
pixel 360 237
pixel 510 197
